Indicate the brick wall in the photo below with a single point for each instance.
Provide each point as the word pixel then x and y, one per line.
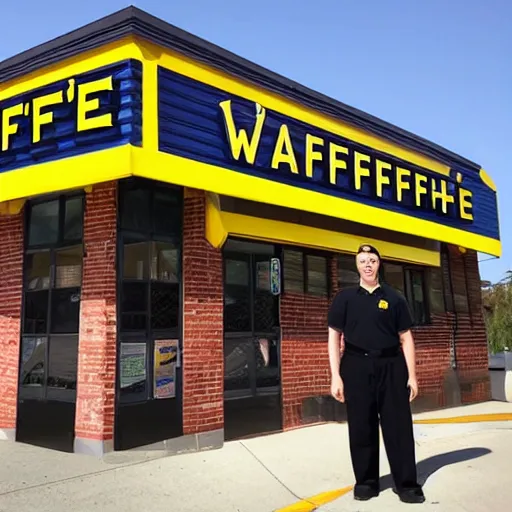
pixel 305 363
pixel 97 345
pixel 203 359
pixel 304 357
pixel 11 276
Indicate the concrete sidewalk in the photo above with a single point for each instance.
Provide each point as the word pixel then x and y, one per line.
pixel 264 474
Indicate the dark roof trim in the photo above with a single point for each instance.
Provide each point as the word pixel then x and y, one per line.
pixel 133 21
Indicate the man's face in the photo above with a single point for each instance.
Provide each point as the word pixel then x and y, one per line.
pixel 368 266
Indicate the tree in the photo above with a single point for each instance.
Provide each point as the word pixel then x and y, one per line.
pixel 497 306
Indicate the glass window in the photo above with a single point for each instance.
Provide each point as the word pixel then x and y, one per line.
pixel 36 312
pixel 317 275
pixel 166 212
pixel 164 305
pixel 237 272
pixel 436 291
pixel 347 271
pixel 238 356
pixel 63 361
pixel 165 262
pixel 394 276
pixel 150 221
pixel 293 271
pixel 37 270
pixel 33 356
pixel 267 362
pixel 136 257
pixel 65 310
pixel 73 219
pixel 134 209
pixel 44 223
pixel 415 295
pixel 134 306
pixel 237 309
pixel 52 286
pixel 68 271
pixel 262 276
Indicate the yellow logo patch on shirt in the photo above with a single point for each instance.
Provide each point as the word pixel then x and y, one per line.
pixel 383 304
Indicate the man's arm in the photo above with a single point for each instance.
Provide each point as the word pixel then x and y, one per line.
pixel 336 349
pixel 336 324
pixel 407 342
pixel 404 326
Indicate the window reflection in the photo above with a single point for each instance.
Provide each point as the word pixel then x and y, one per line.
pixel 65 310
pixel 317 275
pixel 44 223
pixel 348 275
pixel 164 305
pixel 237 361
pixel 267 363
pixel 136 260
pixel 166 212
pixel 63 360
pixel 38 270
pixel 33 355
pixel 394 276
pixel 249 358
pixel 164 262
pixel 237 273
pixel 36 312
pixel 68 272
pixel 73 219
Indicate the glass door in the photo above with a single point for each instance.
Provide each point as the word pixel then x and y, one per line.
pixel 251 341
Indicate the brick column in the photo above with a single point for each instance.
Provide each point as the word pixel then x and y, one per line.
pixel 471 341
pixel 11 279
pixel 203 329
pixel 97 344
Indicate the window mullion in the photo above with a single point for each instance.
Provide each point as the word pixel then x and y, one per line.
pixel 149 329
pixel 49 320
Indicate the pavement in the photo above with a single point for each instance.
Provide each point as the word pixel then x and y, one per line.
pixel 463 461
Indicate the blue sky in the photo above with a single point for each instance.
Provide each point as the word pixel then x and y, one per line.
pixel 439 68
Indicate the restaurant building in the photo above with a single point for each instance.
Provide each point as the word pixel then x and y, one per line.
pixel 174 222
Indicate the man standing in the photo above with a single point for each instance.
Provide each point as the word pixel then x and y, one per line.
pixel 373 369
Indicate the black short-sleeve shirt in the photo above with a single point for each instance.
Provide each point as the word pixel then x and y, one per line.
pixel 370 320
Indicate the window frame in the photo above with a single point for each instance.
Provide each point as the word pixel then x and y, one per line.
pixel 148 335
pixel 409 293
pixel 46 392
pixel 305 274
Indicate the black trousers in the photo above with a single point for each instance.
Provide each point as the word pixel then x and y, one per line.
pixel 376 388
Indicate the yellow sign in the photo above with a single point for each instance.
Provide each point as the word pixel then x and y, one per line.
pixel 345 165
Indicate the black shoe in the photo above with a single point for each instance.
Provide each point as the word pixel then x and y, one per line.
pixel 411 495
pixel 365 493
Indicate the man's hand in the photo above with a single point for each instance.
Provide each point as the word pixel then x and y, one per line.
pixel 412 384
pixel 337 389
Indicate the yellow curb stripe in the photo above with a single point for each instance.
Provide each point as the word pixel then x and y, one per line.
pixel 475 418
pixel 312 503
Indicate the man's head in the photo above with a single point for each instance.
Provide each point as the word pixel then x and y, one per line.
pixel 368 264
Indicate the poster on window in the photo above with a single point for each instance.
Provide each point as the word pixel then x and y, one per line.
pixel 166 359
pixel 132 364
pixel 275 276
